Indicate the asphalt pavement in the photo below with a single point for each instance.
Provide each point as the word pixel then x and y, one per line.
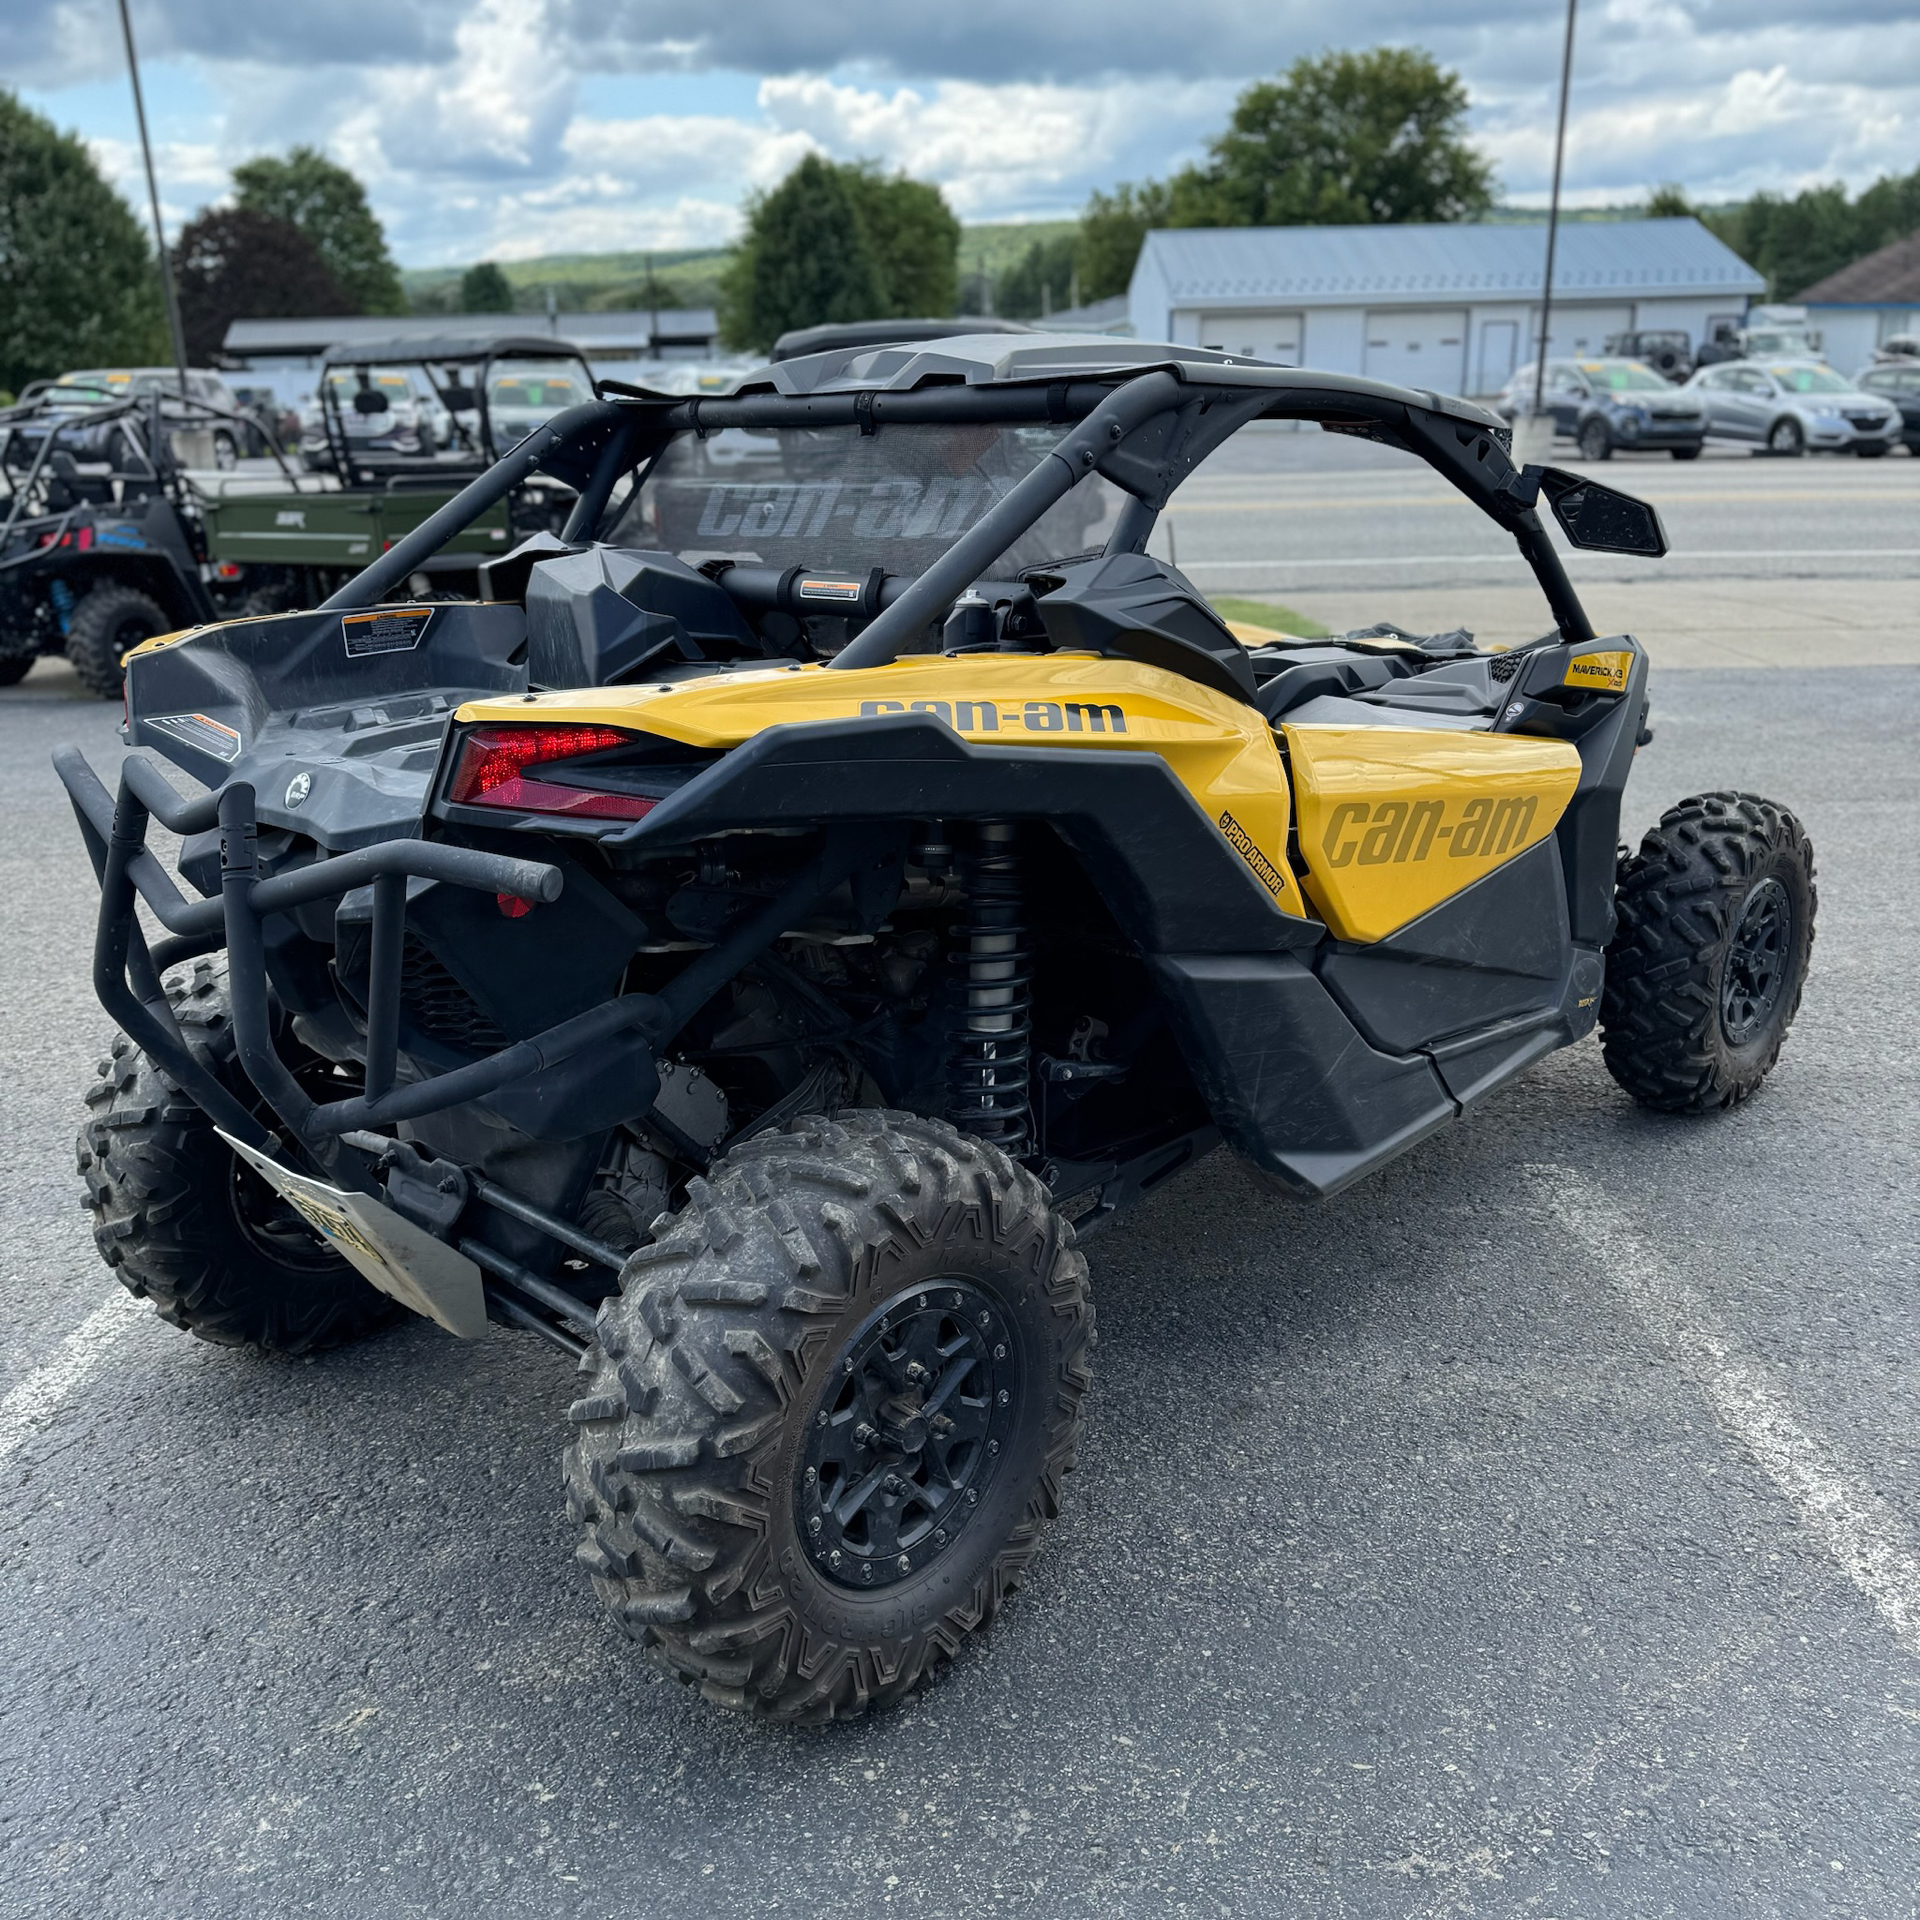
pixel 1534 1530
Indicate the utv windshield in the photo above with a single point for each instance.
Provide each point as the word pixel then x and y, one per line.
pixel 834 497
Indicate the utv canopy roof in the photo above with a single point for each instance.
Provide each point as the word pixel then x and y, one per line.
pixel 412 349
pixel 1028 358
pixel 803 341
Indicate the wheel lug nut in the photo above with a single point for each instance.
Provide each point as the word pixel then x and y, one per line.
pixel 993 1446
pixel 893 1483
pixel 1000 1352
pixel 833 1559
pixel 905 1565
pixel 1002 1396
pixel 813 1525
pixel 813 1474
pixel 973 1496
pixel 986 1319
pixel 939 1536
pixel 866 1570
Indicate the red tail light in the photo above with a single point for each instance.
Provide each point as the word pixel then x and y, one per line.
pixel 496 763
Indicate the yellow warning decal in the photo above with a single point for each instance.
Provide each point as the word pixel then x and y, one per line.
pixel 1601 672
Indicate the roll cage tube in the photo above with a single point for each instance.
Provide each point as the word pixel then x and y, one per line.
pixel 602 439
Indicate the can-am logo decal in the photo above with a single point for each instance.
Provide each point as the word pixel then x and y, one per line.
pixel 1401 830
pixel 987 716
pixel 897 509
pixel 1242 844
pixel 384 630
pixel 290 517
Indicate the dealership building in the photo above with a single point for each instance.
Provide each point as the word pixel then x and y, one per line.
pixel 1450 307
pixel 1866 303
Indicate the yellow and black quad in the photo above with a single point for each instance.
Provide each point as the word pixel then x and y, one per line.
pixel 754 946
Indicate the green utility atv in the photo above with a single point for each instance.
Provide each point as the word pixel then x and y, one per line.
pixel 402 425
pixel 756 949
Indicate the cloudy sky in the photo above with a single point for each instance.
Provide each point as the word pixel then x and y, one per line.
pixel 519 127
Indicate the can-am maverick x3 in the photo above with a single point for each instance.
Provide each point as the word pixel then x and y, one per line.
pixel 756 945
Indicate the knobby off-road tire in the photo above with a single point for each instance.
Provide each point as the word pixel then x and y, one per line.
pixel 109 620
pixel 186 1224
pixel 1706 966
pixel 781 1312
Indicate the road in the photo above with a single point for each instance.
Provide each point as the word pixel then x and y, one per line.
pixel 1532 1531
pixel 1773 562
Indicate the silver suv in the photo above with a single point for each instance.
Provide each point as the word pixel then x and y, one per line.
pixel 1789 406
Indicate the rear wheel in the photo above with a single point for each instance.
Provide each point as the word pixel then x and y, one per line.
pixel 109 621
pixel 1706 967
pixel 226 450
pixel 1596 442
pixel 1786 439
pixel 829 1412
pixel 187 1224
pixel 1871 449
pixel 1685 453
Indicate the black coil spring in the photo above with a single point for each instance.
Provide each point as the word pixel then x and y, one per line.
pixel 987 1075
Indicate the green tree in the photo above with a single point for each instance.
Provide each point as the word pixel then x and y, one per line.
pixel 1112 228
pixel 838 242
pixel 330 207
pixel 1345 139
pixel 77 280
pixel 234 264
pixel 1375 137
pixel 914 239
pixel 1040 281
pixel 485 289
pixel 1668 202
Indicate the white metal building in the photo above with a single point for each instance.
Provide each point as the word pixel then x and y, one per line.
pixel 1866 303
pixel 1453 308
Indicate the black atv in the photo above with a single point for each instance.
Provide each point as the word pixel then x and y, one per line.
pixel 755 964
pixel 102 533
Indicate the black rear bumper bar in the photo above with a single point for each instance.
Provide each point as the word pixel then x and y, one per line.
pixel 127 972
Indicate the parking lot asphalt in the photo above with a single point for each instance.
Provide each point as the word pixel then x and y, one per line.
pixel 1532 1530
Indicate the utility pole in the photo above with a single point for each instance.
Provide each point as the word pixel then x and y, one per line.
pixel 153 200
pixel 653 312
pixel 1553 224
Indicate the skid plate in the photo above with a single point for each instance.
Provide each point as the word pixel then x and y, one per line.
pixel 400 1258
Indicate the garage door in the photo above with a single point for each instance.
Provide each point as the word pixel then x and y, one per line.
pixel 1260 336
pixel 1419 347
pixel 1578 332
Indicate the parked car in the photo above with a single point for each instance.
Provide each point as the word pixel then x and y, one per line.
pixel 1898 383
pixel 526 395
pixel 1789 406
pixel 128 383
pixel 1608 405
pixel 1897 346
pixel 1667 351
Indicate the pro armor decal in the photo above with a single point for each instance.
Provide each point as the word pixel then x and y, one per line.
pixel 1264 869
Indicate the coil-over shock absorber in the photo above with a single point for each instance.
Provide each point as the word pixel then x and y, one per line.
pixel 987 1070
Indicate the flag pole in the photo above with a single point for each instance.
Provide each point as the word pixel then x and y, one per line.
pixel 153 201
pixel 1553 222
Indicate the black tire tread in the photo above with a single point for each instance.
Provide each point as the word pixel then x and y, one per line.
pixel 91 643
pixel 704 1353
pixel 1676 897
pixel 153 1168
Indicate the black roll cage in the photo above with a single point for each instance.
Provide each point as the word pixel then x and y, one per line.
pixel 1145 428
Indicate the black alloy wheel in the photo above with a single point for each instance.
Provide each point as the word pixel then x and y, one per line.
pixel 1759 954
pixel 909 1429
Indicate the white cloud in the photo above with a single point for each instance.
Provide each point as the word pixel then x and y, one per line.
pixel 466 117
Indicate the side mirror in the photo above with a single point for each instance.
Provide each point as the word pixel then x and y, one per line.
pixel 1601 519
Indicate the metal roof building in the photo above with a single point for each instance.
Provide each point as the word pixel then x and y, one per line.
pixel 1867 302
pixel 1451 307
pixel 291 348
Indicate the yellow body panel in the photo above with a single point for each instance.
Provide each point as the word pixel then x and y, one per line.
pixel 1394 820
pixel 1220 749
